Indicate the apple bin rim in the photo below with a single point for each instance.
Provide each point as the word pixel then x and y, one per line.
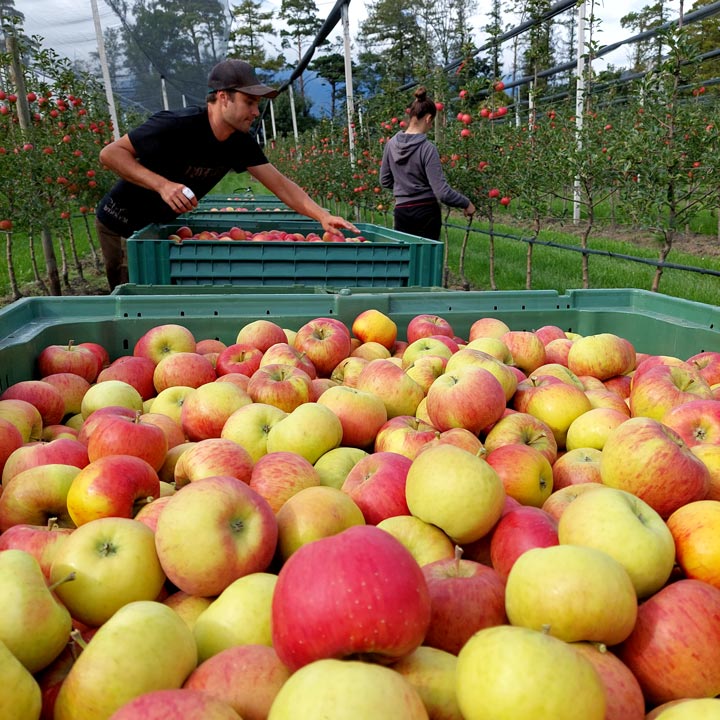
pixel 654 323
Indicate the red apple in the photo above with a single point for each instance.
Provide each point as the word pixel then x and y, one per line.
pixel 400 393
pixel 262 334
pixel 24 416
pixel 341 613
pixel 61 451
pixel 112 486
pixel 487 327
pixel 697 422
pixel 404 434
pixel 172 430
pixel 624 695
pixel 44 396
pixel 577 466
pixel 469 397
pixel 548 333
pixel 708 363
pixel 284 354
pixel 662 387
pixel 176 703
pixel 674 648
pixel 283 386
pixel 41 541
pixel 648 459
pixel 187 369
pixel 526 348
pixel 465 597
pixel 603 355
pixel 206 409
pixel 277 476
pixel 37 495
pixel 239 358
pixel 133 370
pixel 426 324
pixel 246 677
pixel 523 428
pixel 72 387
pixel 377 485
pixel 517 531
pixel 325 341
pixel 10 440
pixel 120 435
pixel 68 359
pixel 525 472
pixel 162 340
pixel 362 414
pixel 214 456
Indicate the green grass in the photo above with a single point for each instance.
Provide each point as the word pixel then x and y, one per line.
pixel 561 269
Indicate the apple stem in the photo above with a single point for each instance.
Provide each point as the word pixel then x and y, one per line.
pixel 70 344
pixel 458 557
pixel 602 647
pixel 67 578
pixel 138 413
pixel 52 523
pixel 78 639
pixel 545 629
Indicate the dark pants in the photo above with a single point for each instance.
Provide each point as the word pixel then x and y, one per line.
pixel 423 219
pixel 114 255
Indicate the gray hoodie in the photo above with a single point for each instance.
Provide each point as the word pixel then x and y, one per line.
pixel 411 168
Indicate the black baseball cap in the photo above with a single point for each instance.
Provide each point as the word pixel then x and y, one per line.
pixel 238 75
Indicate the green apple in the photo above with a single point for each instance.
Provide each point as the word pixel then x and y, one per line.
pixel 574 592
pixel 213 531
pixel 310 430
pixel 115 563
pixel 432 672
pixel 515 673
pixel 425 542
pixel 144 646
pixel 627 529
pixel 347 690
pixel 688 709
pixel 20 698
pixel 240 615
pixel 170 402
pixel 250 425
pixel 455 490
pixel 334 466
pixel 108 393
pixel 314 513
pixel 34 626
pixel 590 430
pixel 188 607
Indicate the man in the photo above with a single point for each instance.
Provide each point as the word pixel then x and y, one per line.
pixel 176 157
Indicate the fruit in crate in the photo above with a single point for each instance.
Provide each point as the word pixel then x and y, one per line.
pixel 275 235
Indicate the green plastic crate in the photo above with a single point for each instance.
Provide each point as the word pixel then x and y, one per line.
pixel 240 217
pixel 388 259
pixel 655 324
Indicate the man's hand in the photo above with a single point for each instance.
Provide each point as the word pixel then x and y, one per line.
pixel 334 223
pixel 469 210
pixel 178 196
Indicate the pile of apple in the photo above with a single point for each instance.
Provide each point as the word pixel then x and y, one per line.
pixel 259 208
pixel 331 522
pixel 235 233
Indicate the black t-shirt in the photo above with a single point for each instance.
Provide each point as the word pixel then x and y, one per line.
pixel 180 146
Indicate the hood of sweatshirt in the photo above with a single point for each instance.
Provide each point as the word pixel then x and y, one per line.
pixel 404 146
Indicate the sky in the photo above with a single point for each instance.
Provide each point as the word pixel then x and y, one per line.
pixel 67 25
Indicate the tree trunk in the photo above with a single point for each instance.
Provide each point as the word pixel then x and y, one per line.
pixel 73 250
pixel 33 262
pixel 91 243
pixel 11 268
pixel 51 262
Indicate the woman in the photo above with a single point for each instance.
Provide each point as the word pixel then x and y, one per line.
pixel 411 168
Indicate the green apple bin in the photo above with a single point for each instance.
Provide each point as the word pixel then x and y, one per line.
pixel 654 323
